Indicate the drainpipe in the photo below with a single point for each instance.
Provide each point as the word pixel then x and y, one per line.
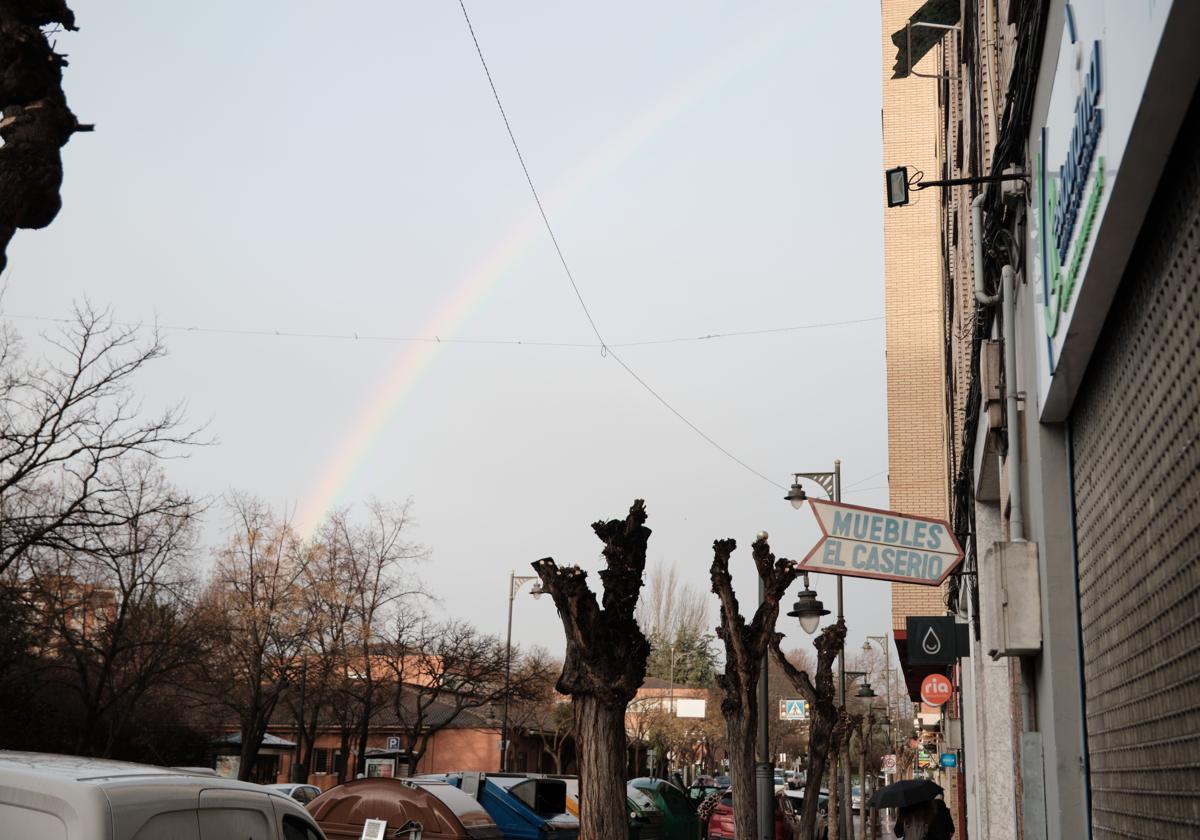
pixel 1005 297
pixel 977 250
pixel 1016 519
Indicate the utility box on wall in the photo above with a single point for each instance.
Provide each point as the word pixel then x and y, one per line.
pixel 1010 603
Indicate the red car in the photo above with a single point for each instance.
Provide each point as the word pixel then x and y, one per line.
pixel 721 827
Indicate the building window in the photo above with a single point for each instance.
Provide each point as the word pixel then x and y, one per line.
pixel 320 761
pixel 522 762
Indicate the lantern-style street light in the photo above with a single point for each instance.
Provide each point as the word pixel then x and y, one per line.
pixel 515 582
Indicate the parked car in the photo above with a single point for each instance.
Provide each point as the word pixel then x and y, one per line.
pixel 524 808
pixel 721 826
pixel 444 812
pixel 681 822
pixel 301 793
pixel 61 797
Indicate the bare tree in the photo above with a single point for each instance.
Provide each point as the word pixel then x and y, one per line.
pixel 256 622
pixel 545 715
pixel 327 605
pixel 65 429
pixel 745 647
pixel 119 611
pixel 445 669
pixel 605 664
pixel 824 713
pixel 376 557
pixel 36 121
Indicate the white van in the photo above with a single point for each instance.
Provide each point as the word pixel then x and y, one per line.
pixel 62 797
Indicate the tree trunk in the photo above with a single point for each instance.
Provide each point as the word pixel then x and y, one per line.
pixel 862 788
pixel 740 730
pixel 604 666
pixel 835 823
pixel 343 770
pixel 600 734
pixel 820 734
pixel 746 646
pixel 252 735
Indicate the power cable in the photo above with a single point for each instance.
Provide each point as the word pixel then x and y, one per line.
pixel 357 336
pixel 604 348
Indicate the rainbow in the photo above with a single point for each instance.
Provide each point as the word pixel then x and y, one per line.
pixel 472 289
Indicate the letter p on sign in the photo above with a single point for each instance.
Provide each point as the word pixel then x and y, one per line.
pixel 935 689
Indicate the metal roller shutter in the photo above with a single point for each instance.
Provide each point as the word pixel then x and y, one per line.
pixel 1136 436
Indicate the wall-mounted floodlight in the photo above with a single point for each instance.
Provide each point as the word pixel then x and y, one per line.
pixel 899 184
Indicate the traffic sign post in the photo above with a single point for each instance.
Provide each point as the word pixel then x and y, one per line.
pixel 793 709
pixel 936 689
pixel 882 545
pixel 393 744
pixel 888 763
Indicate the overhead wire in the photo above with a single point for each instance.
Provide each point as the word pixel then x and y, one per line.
pixel 435 339
pixel 605 348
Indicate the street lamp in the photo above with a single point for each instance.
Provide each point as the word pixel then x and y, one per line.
pixel 808 608
pixel 515 582
pixel 882 641
pixel 831 483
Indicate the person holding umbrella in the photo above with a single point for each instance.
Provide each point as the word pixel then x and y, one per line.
pixel 922 815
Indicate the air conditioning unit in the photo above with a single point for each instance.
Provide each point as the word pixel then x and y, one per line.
pixel 1010 602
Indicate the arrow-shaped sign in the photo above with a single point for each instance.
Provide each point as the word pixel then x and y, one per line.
pixel 882 544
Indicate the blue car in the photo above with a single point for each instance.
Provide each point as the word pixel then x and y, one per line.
pixel 523 808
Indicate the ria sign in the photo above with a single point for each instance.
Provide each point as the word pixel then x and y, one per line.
pixel 936 689
pixel 881 544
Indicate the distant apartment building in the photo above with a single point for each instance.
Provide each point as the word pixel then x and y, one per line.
pixel 1069 300
pixel 915 310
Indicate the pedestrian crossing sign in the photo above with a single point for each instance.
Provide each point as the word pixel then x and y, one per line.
pixel 793 710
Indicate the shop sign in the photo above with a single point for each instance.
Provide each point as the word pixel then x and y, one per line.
pixel 1100 76
pixel 936 640
pixel 882 544
pixel 936 689
pixel 949 759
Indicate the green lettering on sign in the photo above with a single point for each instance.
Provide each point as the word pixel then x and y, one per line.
pixel 1062 283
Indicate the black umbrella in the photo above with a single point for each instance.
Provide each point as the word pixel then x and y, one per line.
pixel 903 793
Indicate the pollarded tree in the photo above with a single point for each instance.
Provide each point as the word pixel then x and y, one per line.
pixel 822 704
pixel 37 122
pixel 745 647
pixel 605 665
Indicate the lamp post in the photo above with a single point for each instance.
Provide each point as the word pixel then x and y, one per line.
pixel 515 582
pixel 882 641
pixel 831 483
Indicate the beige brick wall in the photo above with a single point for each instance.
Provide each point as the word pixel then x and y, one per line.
pixel 913 278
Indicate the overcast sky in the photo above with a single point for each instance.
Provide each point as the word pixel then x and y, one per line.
pixel 708 168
